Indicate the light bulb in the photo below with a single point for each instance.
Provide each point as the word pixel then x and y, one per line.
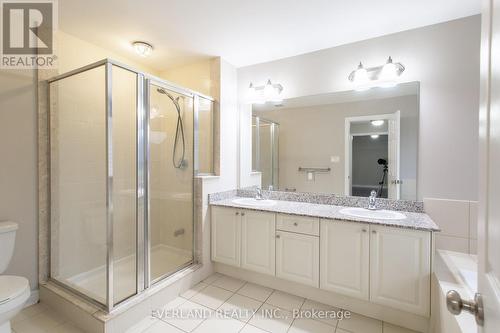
pixel 268 91
pixel 276 96
pixel 374 136
pixel 253 95
pixel 361 75
pixel 360 78
pixel 389 71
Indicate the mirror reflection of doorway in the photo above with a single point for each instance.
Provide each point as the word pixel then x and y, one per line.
pixel 369 165
pixel 372 155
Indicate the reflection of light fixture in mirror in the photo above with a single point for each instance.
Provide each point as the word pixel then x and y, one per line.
pixel 270 92
pixel 142 48
pixel 377 122
pixel 374 136
pixel 386 75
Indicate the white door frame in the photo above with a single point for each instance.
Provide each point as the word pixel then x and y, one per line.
pixel 348 143
pixel 488 214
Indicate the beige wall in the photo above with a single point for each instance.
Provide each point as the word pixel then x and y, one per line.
pixel 197 76
pixel 310 136
pixel 444 58
pixel 18 171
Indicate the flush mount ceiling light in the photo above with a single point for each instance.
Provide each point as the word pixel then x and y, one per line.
pixel 270 92
pixel 142 48
pixel 382 76
pixel 377 122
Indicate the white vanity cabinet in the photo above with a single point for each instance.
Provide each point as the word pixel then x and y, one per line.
pixel 345 258
pixel 226 235
pixel 244 238
pixel 379 264
pixel 385 265
pixel 400 268
pixel 258 241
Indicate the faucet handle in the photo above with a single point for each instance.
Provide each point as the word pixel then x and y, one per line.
pixel 373 193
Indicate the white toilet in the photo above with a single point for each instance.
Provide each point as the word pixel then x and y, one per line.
pixel 14 290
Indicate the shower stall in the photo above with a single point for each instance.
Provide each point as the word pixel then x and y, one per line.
pixel 124 149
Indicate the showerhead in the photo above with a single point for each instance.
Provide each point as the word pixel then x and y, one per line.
pixel 162 91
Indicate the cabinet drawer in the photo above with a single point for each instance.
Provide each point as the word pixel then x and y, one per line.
pixel 300 224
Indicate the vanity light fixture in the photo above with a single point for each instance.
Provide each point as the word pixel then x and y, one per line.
pixel 383 76
pixel 377 122
pixel 142 48
pixel 270 92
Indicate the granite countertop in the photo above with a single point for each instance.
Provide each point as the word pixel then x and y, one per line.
pixel 417 221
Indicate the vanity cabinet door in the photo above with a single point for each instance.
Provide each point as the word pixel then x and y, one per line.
pixel 226 235
pixel 345 258
pixel 297 258
pixel 400 269
pixel 258 241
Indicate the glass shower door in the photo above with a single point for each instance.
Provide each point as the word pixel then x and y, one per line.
pixel 171 167
pixel 93 183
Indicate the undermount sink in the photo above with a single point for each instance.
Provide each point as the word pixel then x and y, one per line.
pixel 379 214
pixel 252 202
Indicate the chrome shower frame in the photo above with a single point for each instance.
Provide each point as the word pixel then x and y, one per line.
pixel 143 238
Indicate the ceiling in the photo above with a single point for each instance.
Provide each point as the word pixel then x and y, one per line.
pixel 245 32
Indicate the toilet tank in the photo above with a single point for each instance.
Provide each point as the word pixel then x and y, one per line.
pixel 7 240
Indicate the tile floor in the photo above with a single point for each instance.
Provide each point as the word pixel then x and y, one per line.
pixel 224 305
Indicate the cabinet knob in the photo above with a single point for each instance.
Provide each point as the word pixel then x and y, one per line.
pixel 364 230
pixel 237 213
pixel 242 214
pixel 277 236
pixel 374 231
pixel 295 224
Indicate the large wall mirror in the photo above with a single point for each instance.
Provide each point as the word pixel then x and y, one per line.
pixel 345 143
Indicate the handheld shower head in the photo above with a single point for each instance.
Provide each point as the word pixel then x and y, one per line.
pixel 179 128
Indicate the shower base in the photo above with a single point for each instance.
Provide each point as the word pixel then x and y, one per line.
pixel 164 260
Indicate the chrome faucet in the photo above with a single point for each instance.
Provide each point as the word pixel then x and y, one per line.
pixel 258 194
pixel 372 200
